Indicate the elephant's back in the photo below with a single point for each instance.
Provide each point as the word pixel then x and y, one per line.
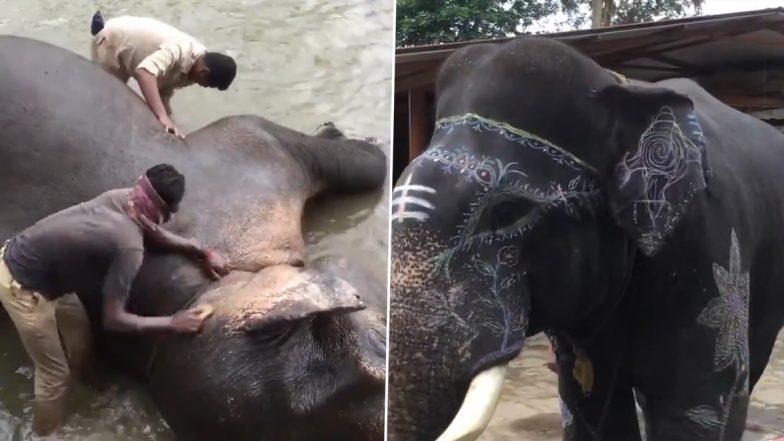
pixel 61 113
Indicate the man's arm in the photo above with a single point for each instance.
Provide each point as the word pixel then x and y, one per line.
pixel 147 73
pixel 117 319
pixel 117 287
pixel 164 240
pixel 148 83
pixel 166 97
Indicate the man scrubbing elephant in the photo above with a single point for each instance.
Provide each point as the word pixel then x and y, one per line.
pixel 100 242
pixel 160 58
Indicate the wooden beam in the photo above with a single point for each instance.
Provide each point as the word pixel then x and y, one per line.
pixel 402 69
pixel 648 50
pixel 752 102
pixel 660 42
pixel 674 62
pixel 417 122
pixel 422 79
pixel 644 67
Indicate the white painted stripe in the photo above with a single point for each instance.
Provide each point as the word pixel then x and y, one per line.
pixel 410 215
pixel 415 188
pixel 413 200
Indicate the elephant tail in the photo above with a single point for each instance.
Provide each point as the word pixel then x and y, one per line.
pixel 97 23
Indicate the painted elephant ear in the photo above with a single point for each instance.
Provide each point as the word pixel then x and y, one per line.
pixel 663 162
pixel 283 294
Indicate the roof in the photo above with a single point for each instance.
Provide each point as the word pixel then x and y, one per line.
pixel 691 47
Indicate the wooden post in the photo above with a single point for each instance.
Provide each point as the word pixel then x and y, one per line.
pixel 417 123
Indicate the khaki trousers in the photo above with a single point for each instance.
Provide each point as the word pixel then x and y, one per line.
pixel 56 335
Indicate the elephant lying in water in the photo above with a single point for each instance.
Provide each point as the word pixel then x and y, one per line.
pixel 291 352
pixel 638 224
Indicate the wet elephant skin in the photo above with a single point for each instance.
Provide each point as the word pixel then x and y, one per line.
pixel 72 131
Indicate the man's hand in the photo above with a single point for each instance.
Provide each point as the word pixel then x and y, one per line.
pixel 215 264
pixel 190 321
pixel 148 83
pixel 168 124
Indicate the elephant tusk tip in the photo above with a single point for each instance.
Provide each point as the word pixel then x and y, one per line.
pixel 478 406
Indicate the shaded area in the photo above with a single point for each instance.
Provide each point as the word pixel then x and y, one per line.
pixel 529 402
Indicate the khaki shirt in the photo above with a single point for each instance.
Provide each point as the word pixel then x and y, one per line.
pixel 128 43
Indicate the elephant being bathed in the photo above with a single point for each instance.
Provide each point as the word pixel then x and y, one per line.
pixel 639 225
pixel 295 348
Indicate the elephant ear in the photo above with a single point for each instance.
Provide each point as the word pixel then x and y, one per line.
pixel 282 295
pixel 662 161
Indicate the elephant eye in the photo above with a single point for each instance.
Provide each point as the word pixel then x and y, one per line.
pixel 507 212
pixel 273 334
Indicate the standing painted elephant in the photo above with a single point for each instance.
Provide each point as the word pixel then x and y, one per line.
pixel 293 351
pixel 639 225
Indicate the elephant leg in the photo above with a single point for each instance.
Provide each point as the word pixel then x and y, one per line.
pixel 691 388
pixel 596 396
pixel 674 417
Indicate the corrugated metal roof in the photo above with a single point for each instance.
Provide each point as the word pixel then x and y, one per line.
pixel 651 51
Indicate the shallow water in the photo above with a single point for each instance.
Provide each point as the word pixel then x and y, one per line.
pixel 300 63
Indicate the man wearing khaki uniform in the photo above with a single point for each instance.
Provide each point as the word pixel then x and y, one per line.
pixel 95 248
pixel 160 58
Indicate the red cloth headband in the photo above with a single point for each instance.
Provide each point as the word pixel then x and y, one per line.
pixel 147 202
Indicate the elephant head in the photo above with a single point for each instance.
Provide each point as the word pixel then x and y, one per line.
pixel 289 353
pixel 543 172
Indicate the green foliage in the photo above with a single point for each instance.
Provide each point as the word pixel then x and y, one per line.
pixel 633 11
pixel 441 21
pixel 432 21
pixel 638 11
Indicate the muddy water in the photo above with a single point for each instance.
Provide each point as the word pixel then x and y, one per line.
pixel 301 62
pixel 529 402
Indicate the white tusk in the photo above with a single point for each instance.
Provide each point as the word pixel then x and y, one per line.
pixel 478 406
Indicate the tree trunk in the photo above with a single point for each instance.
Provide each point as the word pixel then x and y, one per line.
pixel 597 7
pixel 601 13
pixel 608 10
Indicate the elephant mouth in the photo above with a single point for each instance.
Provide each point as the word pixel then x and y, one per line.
pixel 503 356
pixel 482 397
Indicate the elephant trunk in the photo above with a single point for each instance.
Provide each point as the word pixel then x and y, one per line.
pixel 447 370
pixel 422 395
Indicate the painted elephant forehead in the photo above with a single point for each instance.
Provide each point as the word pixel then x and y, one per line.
pixel 518 138
pixel 474 164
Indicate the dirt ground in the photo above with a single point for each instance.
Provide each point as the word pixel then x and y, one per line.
pixel 529 405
